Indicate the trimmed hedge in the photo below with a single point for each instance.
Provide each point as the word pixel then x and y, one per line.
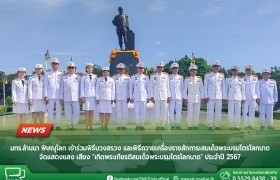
pixel 276 114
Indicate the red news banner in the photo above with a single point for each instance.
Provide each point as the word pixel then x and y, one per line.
pixel 34 130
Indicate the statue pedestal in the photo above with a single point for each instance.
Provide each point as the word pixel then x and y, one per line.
pixel 130 58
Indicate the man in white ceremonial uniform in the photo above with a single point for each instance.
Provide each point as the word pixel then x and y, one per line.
pixel 176 84
pixel 193 94
pixel 235 96
pixel 69 96
pixel 252 94
pixel 121 96
pixel 139 95
pixel 88 83
pixel 160 95
pixel 268 98
pixel 20 96
pixel 105 96
pixel 214 85
pixel 51 93
pixel 36 95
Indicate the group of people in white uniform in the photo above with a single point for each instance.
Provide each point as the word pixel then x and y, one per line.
pixel 54 90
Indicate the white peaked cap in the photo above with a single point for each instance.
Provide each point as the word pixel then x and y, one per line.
pixel 140 64
pixel 250 67
pixel 38 66
pixel 105 69
pixel 268 70
pixel 21 69
pixel 160 64
pixel 174 65
pixel 55 60
pixel 234 67
pixel 121 66
pixel 192 66
pixel 216 63
pixel 71 64
pixel 89 64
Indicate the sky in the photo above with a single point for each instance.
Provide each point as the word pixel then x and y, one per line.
pixel 234 32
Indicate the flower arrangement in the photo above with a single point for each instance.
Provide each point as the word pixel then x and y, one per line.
pixel 114 52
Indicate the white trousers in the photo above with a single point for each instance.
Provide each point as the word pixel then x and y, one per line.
pixel 214 112
pixel 248 112
pixel 54 103
pixel 140 112
pixel 161 112
pixel 266 114
pixel 121 112
pixel 175 112
pixel 193 114
pixel 234 113
pixel 72 113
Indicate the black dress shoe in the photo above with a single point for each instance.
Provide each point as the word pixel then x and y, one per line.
pixel 119 128
pixel 158 128
pixel 124 128
pixel 162 128
pixel 137 128
pixel 195 128
pixel 172 127
pixel 189 128
pixel 262 127
pixel 236 128
pixel 142 128
pixel 218 128
pixel 231 128
pixel 210 128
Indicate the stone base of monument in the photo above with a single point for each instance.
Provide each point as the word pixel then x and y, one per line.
pixel 130 58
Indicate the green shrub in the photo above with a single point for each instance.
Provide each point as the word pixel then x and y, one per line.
pixel 3 109
pixel 9 108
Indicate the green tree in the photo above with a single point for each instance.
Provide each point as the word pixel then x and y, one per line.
pixel 184 64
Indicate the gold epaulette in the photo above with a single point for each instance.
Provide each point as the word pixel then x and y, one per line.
pixel 221 73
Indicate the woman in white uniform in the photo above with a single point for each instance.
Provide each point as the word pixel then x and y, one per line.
pixel 88 82
pixel 105 96
pixel 36 95
pixel 19 96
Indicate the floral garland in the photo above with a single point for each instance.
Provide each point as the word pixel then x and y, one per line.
pixel 114 52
